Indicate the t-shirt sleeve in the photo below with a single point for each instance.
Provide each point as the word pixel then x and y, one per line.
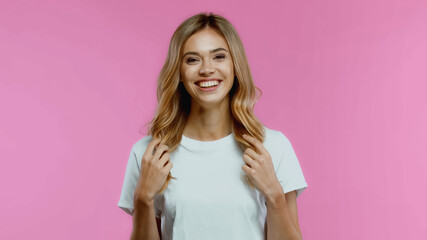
pixel 130 182
pixel 289 172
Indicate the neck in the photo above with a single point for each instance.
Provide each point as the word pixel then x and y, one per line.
pixel 209 123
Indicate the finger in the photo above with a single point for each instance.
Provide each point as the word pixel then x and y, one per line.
pixel 255 142
pixel 249 161
pixel 159 151
pixel 168 166
pixel 247 170
pixel 251 153
pixel 151 145
pixel 164 159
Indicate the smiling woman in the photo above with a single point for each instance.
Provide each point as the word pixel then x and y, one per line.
pixel 231 174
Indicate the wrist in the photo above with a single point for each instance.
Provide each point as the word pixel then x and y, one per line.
pixel 276 197
pixel 144 200
pixel 142 206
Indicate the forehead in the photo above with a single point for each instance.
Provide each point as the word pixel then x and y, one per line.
pixel 204 41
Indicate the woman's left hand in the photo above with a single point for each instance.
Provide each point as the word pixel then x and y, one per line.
pixel 259 167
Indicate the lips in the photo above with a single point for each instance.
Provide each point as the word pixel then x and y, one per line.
pixel 207 80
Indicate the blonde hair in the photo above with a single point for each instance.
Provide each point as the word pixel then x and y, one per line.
pixel 174 102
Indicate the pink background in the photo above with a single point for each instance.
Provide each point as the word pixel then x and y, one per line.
pixel 344 80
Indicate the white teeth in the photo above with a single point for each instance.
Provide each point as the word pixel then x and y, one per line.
pixel 208 84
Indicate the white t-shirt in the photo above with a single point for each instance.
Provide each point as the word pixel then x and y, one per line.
pixel 209 199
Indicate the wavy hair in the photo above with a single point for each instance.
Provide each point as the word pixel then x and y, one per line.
pixel 174 102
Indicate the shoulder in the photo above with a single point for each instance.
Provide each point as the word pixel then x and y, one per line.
pixel 275 138
pixel 276 143
pixel 139 146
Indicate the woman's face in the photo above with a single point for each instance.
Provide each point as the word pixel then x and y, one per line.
pixel 207 70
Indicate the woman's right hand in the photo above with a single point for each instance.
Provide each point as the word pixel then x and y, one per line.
pixel 154 170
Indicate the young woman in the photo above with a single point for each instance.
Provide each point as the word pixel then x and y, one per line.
pixel 208 168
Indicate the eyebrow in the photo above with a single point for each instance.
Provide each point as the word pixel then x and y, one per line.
pixel 211 51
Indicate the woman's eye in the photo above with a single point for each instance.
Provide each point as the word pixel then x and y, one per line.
pixel 189 60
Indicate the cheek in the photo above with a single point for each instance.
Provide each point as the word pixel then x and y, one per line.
pixel 189 72
pixel 230 69
pixel 185 76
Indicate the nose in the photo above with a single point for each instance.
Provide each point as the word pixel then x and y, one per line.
pixel 206 68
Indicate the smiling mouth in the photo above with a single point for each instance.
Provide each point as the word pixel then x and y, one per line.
pixel 208 84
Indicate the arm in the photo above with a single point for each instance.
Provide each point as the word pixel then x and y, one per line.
pixel 282 217
pixel 144 222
